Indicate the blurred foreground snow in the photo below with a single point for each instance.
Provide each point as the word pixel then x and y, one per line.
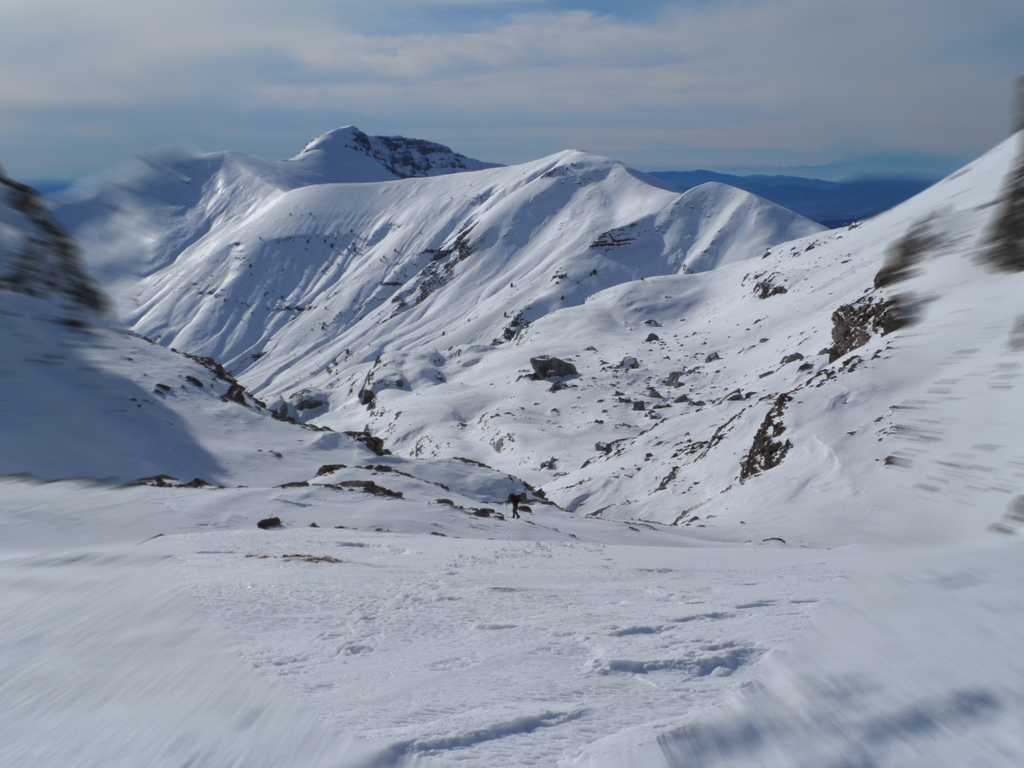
pixel 105 661
pixel 917 662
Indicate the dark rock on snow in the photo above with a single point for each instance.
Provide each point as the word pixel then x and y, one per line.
pixel 901 257
pixel 767 450
pixel 1006 240
pixel 766 288
pixel 547 367
pixel 853 324
pixel 368 486
pixel 375 444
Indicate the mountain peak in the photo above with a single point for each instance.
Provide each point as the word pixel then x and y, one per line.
pixel 339 138
pixel 383 158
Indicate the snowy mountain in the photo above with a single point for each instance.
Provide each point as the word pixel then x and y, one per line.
pixel 831 203
pixel 137 218
pixel 771 474
pixel 820 370
pixel 86 398
pixel 294 290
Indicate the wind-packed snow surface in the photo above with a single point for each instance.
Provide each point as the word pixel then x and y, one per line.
pixel 772 519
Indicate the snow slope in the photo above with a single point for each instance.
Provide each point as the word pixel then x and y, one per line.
pixel 741 365
pixel 300 289
pixel 804 561
pixel 106 661
pixel 916 662
pixel 136 218
pixel 83 397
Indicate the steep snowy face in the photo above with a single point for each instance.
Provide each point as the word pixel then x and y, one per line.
pixel 801 394
pixel 137 218
pixel 82 398
pixel 320 281
pixel 36 257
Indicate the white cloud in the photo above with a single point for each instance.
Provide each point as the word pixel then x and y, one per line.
pixel 792 80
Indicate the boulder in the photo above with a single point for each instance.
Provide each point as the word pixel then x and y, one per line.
pixel 547 367
pixel 270 522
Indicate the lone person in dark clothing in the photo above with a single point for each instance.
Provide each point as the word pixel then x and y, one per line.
pixel 513 499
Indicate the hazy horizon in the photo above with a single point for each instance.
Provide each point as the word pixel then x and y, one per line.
pixel 774 86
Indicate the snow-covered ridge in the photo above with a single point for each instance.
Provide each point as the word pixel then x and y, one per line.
pixel 284 284
pixel 759 394
pixel 711 323
pixel 84 397
pixel 136 218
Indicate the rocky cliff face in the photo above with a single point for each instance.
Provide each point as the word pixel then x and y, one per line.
pixel 37 257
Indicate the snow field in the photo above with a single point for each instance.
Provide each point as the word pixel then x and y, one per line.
pixel 499 643
pixel 499 652
pixel 916 661
pixel 105 661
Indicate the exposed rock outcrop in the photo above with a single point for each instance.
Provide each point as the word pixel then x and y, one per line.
pixel 767 450
pixel 36 256
pixel 372 442
pixel 901 257
pixel 853 324
pixel 768 286
pixel 547 367
pixel 1006 239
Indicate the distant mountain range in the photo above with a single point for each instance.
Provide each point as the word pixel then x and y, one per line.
pixel 831 203
pixel 302 271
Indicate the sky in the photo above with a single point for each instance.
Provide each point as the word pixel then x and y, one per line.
pixel 734 85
